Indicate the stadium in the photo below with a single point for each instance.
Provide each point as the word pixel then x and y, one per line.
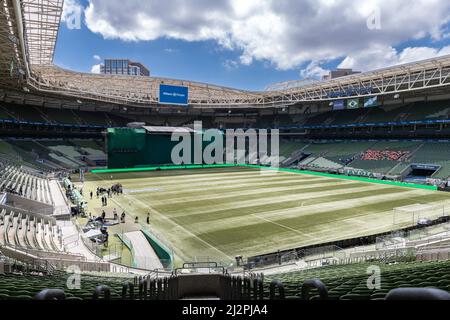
pixel 122 187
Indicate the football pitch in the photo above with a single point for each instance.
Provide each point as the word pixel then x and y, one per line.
pixel 223 213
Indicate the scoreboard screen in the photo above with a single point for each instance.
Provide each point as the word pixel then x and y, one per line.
pixel 175 95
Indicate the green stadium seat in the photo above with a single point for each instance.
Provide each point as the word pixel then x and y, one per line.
pixel 378 295
pixel 397 275
pixel 74 299
pixel 354 296
pixel 4 296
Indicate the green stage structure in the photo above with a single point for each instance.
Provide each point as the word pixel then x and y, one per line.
pixel 146 146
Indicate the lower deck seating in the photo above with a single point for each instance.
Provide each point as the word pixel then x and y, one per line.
pixel 374 166
pixel 349 282
pixel 324 163
pixel 29 232
pixel 287 148
pixel 51 154
pixel 343 282
pixel 338 150
pixel 25 287
pixel 437 153
pixel 382 157
pixel 26 184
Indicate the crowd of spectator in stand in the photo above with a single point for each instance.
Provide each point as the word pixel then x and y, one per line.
pixel 384 155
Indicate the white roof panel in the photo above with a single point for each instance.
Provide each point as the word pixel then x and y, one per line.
pixel 155 129
pixel 41 22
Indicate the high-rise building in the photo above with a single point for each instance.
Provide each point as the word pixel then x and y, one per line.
pixel 338 73
pixel 124 67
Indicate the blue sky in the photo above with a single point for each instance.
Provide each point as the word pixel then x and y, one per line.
pixel 200 61
pixel 252 45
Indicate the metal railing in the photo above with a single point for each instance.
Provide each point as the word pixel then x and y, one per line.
pixel 201 267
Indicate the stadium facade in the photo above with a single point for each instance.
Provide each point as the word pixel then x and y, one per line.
pixel 362 158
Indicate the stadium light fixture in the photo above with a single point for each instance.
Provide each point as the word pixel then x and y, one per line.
pixel 396 96
pixel 26 89
pixel 79 102
pixel 331 104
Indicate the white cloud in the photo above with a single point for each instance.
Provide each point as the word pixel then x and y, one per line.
pixel 375 58
pixel 246 59
pixel 70 7
pixel 170 50
pixel 230 64
pixel 286 33
pixel 314 71
pixel 97 57
pixel 421 53
pixel 95 68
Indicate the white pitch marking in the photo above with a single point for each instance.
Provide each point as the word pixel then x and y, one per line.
pixel 283 226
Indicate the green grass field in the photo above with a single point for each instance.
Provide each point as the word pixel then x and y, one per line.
pixel 222 213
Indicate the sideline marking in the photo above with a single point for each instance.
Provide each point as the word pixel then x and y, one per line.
pixel 296 171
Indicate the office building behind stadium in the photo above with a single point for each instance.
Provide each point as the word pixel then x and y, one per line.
pixel 364 170
pixel 124 67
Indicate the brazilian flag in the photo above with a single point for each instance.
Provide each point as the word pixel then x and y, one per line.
pixel 353 104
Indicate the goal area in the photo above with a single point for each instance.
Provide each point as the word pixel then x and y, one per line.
pixel 415 214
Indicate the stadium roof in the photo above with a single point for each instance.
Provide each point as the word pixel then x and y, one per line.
pixel 280 86
pixel 28 33
pixel 11 43
pixel 42 19
pixel 154 129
